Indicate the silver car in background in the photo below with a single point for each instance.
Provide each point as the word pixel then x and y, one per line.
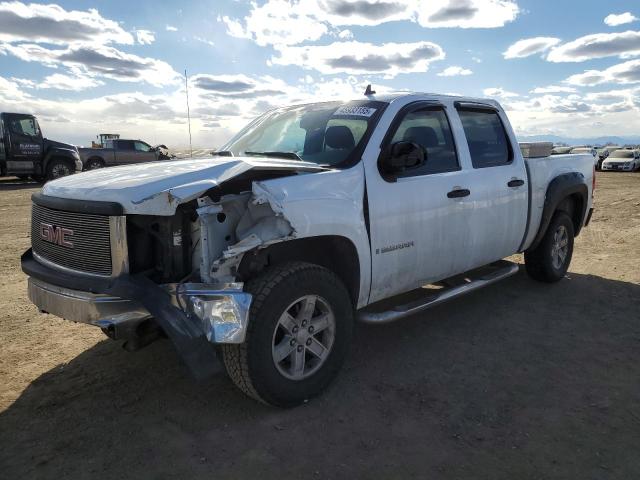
pixel 622 160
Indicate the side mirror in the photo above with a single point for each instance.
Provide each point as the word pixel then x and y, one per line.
pixel 401 156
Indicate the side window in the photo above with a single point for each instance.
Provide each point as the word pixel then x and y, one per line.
pixel 125 145
pixel 27 126
pixel 488 142
pixel 430 129
pixel 142 147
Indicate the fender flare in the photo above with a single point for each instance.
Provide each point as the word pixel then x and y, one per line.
pixel 57 153
pixel 559 189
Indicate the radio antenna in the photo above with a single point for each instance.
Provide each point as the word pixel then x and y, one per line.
pixel 186 86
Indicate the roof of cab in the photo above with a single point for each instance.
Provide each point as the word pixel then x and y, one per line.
pixel 390 97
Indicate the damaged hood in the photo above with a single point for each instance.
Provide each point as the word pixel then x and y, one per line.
pixel 157 188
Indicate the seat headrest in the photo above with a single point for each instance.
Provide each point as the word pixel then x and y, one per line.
pixel 339 137
pixel 425 136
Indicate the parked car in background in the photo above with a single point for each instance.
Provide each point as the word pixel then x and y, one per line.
pixel 582 150
pixel 561 150
pixel 308 218
pixel 121 152
pixel 604 152
pixel 623 159
pixel 24 152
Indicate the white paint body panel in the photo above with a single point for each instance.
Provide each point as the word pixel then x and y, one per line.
pixel 542 171
pixel 157 188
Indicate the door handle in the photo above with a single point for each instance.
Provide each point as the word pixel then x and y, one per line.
pixel 515 183
pixel 459 193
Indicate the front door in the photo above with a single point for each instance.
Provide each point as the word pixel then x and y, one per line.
pixel 419 218
pixel 25 144
pixel 144 152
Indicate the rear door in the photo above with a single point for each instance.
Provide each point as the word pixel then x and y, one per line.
pixel 418 219
pixel 499 178
pixel 125 152
pixel 25 143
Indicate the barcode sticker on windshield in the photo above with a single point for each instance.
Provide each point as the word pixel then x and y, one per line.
pixel 355 111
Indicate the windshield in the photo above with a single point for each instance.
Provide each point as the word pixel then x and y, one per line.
pixel 323 133
pixel 622 154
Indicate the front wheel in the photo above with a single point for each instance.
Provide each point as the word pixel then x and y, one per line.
pixel 59 168
pixel 299 333
pixel 550 260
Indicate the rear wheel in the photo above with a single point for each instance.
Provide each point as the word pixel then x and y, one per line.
pixel 93 164
pixel 299 333
pixel 58 168
pixel 550 260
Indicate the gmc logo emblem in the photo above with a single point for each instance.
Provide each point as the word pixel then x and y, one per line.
pixel 58 235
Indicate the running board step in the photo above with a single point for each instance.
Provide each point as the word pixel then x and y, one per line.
pixel 471 281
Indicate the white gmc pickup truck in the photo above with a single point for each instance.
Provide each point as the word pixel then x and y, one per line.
pixel 306 220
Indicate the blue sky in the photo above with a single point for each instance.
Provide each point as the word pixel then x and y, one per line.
pixel 569 68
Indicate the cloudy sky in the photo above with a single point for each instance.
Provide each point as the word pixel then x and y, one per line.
pixel 569 67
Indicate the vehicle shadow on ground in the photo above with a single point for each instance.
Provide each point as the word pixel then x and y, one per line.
pixel 519 380
pixel 12 183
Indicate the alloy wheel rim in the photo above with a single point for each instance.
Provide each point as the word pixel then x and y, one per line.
pixel 560 247
pixel 303 337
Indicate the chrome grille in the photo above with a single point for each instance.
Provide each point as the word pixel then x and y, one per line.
pixel 91 252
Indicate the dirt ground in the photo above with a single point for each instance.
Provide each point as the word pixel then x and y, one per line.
pixel 520 380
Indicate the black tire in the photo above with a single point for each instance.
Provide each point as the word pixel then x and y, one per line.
pixel 251 365
pixel 59 167
pixel 93 164
pixel 540 263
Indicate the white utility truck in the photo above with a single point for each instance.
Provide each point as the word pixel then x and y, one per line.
pixel 306 220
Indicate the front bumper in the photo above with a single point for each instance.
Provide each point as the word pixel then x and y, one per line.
pixel 617 168
pixel 222 310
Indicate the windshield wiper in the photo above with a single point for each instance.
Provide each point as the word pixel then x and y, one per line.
pixel 285 155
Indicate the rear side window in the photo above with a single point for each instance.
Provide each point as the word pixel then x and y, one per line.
pixel 430 129
pixel 125 145
pixel 488 142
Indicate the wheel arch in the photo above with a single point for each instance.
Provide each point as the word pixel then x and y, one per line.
pixel 54 154
pixel 334 252
pixel 568 193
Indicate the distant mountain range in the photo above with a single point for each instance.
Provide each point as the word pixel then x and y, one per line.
pixel 633 140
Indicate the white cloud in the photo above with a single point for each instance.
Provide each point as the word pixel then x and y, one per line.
pixel 530 46
pixel 499 93
pixel 553 89
pixel 60 81
pixel 622 73
pixel 345 34
pixel 284 22
pixel 81 42
pixel 388 59
pixel 98 60
pixel 53 24
pixel 170 28
pixel 145 37
pixel 614 20
pixel 599 45
pixel 204 40
pixel 455 72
